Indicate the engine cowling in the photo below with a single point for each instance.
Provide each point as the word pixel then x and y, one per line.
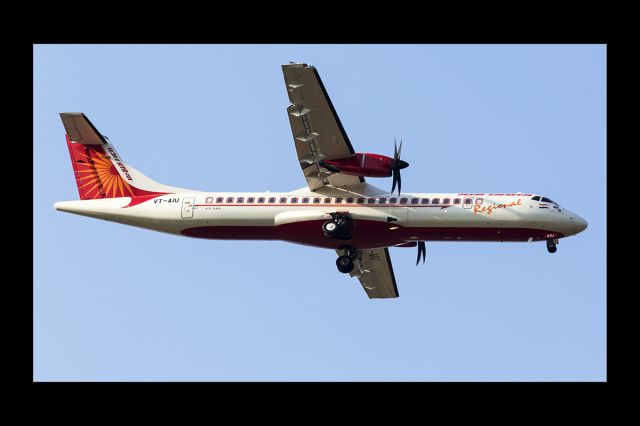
pixel 361 164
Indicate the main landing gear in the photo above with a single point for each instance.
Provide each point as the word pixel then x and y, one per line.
pixel 551 245
pixel 338 227
pixel 346 262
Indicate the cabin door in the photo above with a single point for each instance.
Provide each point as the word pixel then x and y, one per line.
pixel 187 207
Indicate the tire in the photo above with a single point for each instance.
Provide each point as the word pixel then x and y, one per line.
pixel 552 249
pixel 344 264
pixel 330 228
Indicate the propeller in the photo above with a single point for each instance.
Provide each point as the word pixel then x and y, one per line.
pixel 422 252
pixel 396 165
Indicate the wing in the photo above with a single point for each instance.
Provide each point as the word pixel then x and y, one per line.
pixel 377 278
pixel 317 131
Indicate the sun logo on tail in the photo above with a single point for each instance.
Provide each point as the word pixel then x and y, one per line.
pixel 96 176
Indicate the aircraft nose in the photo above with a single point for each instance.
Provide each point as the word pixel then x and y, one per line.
pixel 580 224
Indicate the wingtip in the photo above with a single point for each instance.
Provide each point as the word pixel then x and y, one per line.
pixel 296 65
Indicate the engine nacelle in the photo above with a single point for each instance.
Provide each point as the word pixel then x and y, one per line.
pixel 361 164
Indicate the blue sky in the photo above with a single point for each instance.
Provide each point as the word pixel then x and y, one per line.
pixel 113 302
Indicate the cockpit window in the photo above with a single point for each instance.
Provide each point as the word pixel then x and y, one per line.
pixel 543 199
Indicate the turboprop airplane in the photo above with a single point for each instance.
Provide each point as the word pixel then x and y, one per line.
pixel 337 209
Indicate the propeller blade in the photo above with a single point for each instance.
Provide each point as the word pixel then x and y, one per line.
pixel 395 178
pixel 395 149
pixel 422 252
pixel 396 165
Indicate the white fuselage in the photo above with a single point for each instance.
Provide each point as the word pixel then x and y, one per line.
pixel 380 219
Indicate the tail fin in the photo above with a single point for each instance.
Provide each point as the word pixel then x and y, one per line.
pixel 97 167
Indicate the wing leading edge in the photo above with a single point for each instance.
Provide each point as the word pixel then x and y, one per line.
pixel 317 131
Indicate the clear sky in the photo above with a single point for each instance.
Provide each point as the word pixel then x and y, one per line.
pixel 113 302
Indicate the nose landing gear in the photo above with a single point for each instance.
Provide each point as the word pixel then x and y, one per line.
pixel 551 245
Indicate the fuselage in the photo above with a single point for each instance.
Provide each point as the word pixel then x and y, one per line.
pixel 379 220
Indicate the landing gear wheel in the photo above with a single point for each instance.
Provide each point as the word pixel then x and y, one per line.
pixel 330 228
pixel 551 245
pixel 338 227
pixel 344 264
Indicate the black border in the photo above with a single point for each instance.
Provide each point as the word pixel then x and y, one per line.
pixel 555 28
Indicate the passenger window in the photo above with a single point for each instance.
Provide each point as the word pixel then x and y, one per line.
pixel 294 200
pixel 209 200
pixel 240 200
pixel 456 201
pixel 415 200
pixel 305 200
pixel 382 201
pixel 327 200
pixel 467 200
pixel 272 200
pixel 349 200
pixel 219 200
pixel 229 199
pixel 446 201
pixel 371 200
pixel 479 200
pixel 316 200
pixel 403 200
pixel 393 200
pixel 360 200
pixel 250 200
pixel 435 201
pixel 283 200
pixel 338 200
pixel 426 201
pixel 261 200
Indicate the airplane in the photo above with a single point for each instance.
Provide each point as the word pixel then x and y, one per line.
pixel 337 209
